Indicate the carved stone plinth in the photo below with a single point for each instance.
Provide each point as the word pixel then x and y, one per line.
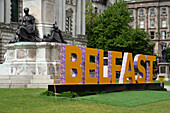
pixel 164 71
pixel 30 65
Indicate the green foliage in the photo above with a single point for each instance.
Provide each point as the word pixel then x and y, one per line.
pixel 91 20
pixel 112 32
pixel 47 93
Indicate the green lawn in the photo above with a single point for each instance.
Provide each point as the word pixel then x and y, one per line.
pixel 165 82
pixel 30 101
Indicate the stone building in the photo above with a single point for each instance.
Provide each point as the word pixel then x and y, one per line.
pixel 153 16
pixel 101 5
pixel 69 14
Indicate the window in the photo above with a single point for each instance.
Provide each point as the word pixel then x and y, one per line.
pixel 131 15
pixel 14 10
pixel 141 24
pixel 131 24
pixel 152 23
pixel 95 9
pixel 100 11
pixel 152 12
pixel 163 23
pixel 141 12
pixel 69 1
pixel 152 34
pixel 164 11
pixel 163 34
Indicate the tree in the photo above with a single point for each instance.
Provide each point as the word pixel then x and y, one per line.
pixel 112 32
pixel 91 21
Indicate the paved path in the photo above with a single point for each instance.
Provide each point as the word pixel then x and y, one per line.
pixel 167 87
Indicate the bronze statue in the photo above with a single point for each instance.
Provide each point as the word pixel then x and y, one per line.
pixel 55 35
pixel 164 53
pixel 27 31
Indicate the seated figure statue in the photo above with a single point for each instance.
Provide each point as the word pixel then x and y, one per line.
pixel 27 31
pixel 164 53
pixel 55 35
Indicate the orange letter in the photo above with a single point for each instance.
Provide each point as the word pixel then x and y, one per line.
pixel 102 80
pixel 115 67
pixel 70 65
pixel 90 66
pixel 125 73
pixel 151 59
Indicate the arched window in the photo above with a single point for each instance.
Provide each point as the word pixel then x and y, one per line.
pixel 141 12
pixel 164 23
pixel 152 23
pixel 164 11
pixel 141 24
pixel 152 12
pixel 69 21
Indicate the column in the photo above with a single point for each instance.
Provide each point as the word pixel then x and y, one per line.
pixel 7 11
pixel 60 14
pixel 78 24
pixel 2 11
pixel 83 17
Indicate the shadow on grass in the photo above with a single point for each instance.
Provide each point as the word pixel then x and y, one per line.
pixel 125 98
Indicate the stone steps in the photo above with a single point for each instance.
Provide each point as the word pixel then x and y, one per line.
pixel 18 86
pixel 4 77
pixel 26 81
pixel 27 77
pixel 37 85
pixel 5 81
pixel 4 85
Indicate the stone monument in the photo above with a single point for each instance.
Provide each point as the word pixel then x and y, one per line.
pixel 31 62
pixel 164 65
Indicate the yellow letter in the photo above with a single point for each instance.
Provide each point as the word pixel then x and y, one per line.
pixel 115 67
pixel 70 65
pixel 102 80
pixel 90 66
pixel 124 74
pixel 151 59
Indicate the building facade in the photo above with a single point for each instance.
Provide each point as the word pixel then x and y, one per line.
pixel 69 14
pixel 100 5
pixel 152 16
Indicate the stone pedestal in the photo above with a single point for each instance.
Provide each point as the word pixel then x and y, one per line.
pixel 30 65
pixel 164 71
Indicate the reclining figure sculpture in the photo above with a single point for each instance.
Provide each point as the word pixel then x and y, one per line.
pixel 55 35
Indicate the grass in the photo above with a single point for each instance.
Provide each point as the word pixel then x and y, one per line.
pixel 128 98
pixel 29 100
pixel 165 82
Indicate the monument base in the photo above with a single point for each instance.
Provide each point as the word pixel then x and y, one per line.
pixel 105 87
pixel 30 65
pixel 164 74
